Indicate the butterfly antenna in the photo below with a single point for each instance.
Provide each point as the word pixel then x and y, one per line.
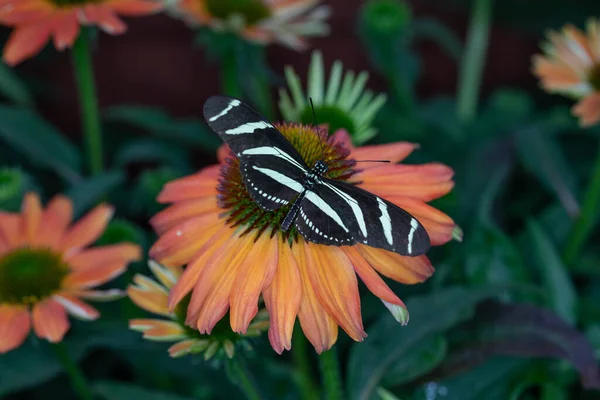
pixel 381 161
pixel 315 123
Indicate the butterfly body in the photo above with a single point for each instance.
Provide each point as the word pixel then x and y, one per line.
pixel 323 210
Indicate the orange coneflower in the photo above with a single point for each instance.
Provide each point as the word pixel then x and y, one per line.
pixel 46 268
pixel 235 251
pixel 571 66
pixel 152 296
pixel 264 21
pixel 35 21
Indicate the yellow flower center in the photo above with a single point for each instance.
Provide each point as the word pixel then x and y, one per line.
pixel 30 275
pixel 595 77
pixel 253 11
pixel 330 115
pixel 313 144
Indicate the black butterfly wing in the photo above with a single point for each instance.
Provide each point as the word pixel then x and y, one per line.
pixel 341 211
pixel 271 167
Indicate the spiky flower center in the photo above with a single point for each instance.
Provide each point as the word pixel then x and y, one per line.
pixel 594 77
pixel 253 11
pixel 71 3
pixel 333 116
pixel 313 144
pixel 28 275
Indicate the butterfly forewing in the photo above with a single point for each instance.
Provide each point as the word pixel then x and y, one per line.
pixel 271 168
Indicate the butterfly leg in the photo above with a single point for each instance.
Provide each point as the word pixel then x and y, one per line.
pixel 293 213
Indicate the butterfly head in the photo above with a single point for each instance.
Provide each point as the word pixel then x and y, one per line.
pixel 320 168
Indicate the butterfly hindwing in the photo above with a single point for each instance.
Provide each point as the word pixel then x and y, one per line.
pixel 271 167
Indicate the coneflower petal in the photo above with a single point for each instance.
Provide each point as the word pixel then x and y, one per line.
pixel 76 307
pixel 50 320
pixel 98 256
pixel 26 41
pixel 201 184
pixel 15 324
pixel 87 229
pixel 10 229
pixel 55 221
pixel 66 28
pixel 32 216
pixel 182 211
pixel 402 269
pixel 588 109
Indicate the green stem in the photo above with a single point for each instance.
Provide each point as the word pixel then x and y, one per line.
pixel 84 76
pixel 330 374
pixel 229 75
pixel 471 69
pixel 583 227
pixel 308 389
pixel 240 375
pixel 76 377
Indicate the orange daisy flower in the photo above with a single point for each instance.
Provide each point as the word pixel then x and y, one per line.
pixel 235 251
pixel 35 21
pixel 46 268
pixel 152 296
pixel 571 66
pixel 264 21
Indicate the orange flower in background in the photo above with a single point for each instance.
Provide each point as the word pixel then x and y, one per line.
pixel 235 251
pixel 571 66
pixel 46 268
pixel 287 22
pixel 36 21
pixel 152 296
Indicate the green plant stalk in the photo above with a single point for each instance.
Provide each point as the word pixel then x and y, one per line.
pixel 76 377
pixel 243 379
pixel 584 224
pixel 304 380
pixel 229 75
pixel 88 101
pixel 471 68
pixel 330 374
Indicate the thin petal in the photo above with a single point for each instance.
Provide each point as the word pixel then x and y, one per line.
pixel 182 211
pixel 254 275
pixel 319 327
pixel 50 320
pixel 95 276
pixel 588 110
pixel 32 216
pixel 182 348
pixel 26 41
pixel 105 18
pixel 66 29
pixel 282 299
pixel 55 221
pixel 15 325
pixel 102 255
pixel 149 295
pixel 393 152
pixel 201 184
pixel 370 277
pixel 98 295
pixel 88 229
pixel 77 308
pixel 156 329
pixel 403 269
pixel 334 281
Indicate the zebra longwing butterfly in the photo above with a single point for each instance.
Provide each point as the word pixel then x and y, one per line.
pixel 324 211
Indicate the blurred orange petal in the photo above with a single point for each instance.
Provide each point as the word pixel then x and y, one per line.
pixel 393 152
pixel 149 295
pixel 182 348
pixel 201 184
pixel 25 41
pixel 77 308
pixel 15 324
pixel 156 329
pixel 588 110
pixel 102 16
pixel 135 7
pixel 98 256
pixel 403 269
pixel 66 29
pixel 50 320
pixel 55 221
pixel 32 215
pixel 10 229
pixel 94 276
pixel 87 230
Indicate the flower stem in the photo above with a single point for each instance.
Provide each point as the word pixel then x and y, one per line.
pixel 586 220
pixel 84 76
pixel 76 377
pixel 330 374
pixel 240 375
pixel 308 389
pixel 229 75
pixel 471 68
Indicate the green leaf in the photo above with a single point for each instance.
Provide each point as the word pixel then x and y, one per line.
pixel 152 150
pixel 14 88
pixel 557 282
pixel 89 192
pixel 432 29
pixel 389 342
pixel 161 124
pixel 386 394
pixel 42 143
pixel 111 390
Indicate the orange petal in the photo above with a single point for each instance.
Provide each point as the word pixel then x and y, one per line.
pixel 334 281
pixel 156 329
pixel 102 16
pixel 179 244
pixel 32 215
pixel 50 320
pixel 554 74
pixel 76 307
pixel 217 243
pixel 149 295
pixel 423 182
pixel 94 276
pixel 167 276
pixel 254 275
pixel 25 41
pixel 98 295
pixel 15 324
pixel 102 255
pixel 87 230
pixel 182 211
pixel 402 269
pixel 10 229
pixel 135 7
pixel 282 299
pixel 55 221
pixel 394 152
pixel 319 327
pixel 371 278
pixel 201 184
pixel 588 110
pixel 182 348
pixel 212 291
pixel 66 29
